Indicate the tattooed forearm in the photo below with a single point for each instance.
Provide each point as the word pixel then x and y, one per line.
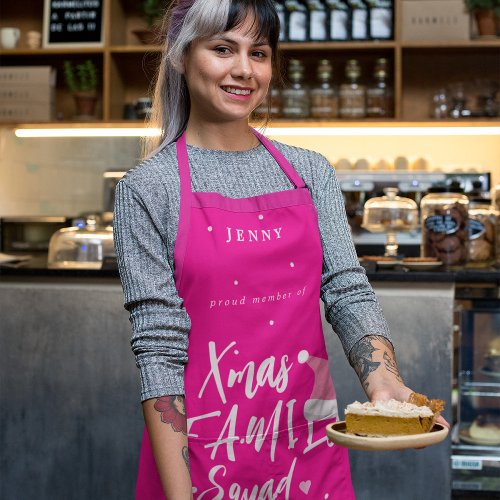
pixel 185 456
pixel 389 358
pixel 361 360
pixel 391 366
pixel 173 412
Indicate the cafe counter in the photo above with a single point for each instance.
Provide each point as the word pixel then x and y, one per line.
pixel 71 418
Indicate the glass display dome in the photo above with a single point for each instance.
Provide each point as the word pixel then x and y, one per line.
pixel 390 214
pixel 82 246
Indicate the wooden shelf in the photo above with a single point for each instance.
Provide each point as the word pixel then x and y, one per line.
pixel 127 67
pixel 457 44
pixel 309 46
pixel 134 49
pixel 23 52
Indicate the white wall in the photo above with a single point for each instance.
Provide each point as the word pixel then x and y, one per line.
pixel 64 176
pixel 58 176
pixel 446 153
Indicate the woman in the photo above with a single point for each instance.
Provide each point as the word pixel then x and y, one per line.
pixel 228 240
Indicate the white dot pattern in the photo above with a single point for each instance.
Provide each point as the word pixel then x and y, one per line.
pixel 271 322
pixel 210 228
pixel 235 282
pixel 261 217
pixel 292 264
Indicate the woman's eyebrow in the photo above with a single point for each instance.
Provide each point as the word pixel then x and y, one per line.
pixel 224 38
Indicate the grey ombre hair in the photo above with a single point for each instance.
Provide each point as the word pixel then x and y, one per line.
pixel 184 22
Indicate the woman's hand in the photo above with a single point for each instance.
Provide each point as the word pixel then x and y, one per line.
pixel 373 360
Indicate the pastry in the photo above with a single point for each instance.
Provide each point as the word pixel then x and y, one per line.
pixel 393 418
pixel 485 428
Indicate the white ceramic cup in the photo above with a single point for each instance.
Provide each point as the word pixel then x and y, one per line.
pixel 33 39
pixel 9 37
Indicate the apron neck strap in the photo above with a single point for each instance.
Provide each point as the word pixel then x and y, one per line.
pixel 290 172
pixel 183 165
pixel 183 162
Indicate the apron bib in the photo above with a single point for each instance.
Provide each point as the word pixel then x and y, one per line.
pixel 258 388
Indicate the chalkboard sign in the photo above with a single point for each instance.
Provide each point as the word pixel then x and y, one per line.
pixel 75 23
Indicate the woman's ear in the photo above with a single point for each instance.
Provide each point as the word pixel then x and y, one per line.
pixel 179 66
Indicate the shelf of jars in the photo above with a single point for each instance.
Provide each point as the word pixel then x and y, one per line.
pixel 411 81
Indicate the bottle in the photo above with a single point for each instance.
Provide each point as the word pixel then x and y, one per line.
pixel 296 96
pixel 381 19
pixel 352 95
pixel 445 219
pixel 279 5
pixel 297 21
pixel 324 98
pixel 379 95
pixel 339 20
pixel 318 17
pixel 360 20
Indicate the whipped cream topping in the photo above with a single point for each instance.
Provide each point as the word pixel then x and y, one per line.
pixel 391 408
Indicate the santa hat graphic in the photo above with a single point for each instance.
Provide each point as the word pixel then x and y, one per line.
pixel 322 403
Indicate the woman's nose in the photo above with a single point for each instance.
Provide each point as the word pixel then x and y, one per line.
pixel 243 67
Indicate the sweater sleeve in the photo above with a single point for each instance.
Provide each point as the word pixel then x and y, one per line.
pixel 160 324
pixel 351 306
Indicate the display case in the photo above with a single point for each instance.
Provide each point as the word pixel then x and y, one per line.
pixel 475 457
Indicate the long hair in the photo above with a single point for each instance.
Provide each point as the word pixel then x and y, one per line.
pixel 184 22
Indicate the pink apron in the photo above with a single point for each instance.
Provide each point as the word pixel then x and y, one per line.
pixel 258 389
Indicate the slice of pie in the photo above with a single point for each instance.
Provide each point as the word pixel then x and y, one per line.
pixel 393 418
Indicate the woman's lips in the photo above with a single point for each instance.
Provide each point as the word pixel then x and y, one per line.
pixel 240 94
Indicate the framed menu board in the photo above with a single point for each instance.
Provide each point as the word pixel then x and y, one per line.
pixel 73 23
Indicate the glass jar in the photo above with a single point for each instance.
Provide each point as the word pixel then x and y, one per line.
pixel 324 98
pixel 352 95
pixel 379 94
pixel 495 195
pixel 445 218
pixel 270 107
pixel 482 229
pixel 390 214
pixel 296 95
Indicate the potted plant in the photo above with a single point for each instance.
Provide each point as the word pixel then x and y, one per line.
pixel 485 13
pixel 152 12
pixel 81 80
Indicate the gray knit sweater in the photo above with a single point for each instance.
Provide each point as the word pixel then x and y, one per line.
pixel 145 228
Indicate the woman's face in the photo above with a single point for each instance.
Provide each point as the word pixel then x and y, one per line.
pixel 228 75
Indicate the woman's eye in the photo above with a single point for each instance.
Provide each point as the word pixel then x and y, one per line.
pixel 222 50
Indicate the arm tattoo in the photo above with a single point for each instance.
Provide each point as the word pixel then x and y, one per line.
pixel 173 412
pixel 360 359
pixel 389 359
pixel 391 366
pixel 185 456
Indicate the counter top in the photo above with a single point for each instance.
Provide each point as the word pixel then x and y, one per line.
pixel 37 267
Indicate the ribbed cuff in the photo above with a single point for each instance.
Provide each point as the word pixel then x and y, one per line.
pixel 161 379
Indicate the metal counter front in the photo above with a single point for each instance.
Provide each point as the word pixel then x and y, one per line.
pixel 69 395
